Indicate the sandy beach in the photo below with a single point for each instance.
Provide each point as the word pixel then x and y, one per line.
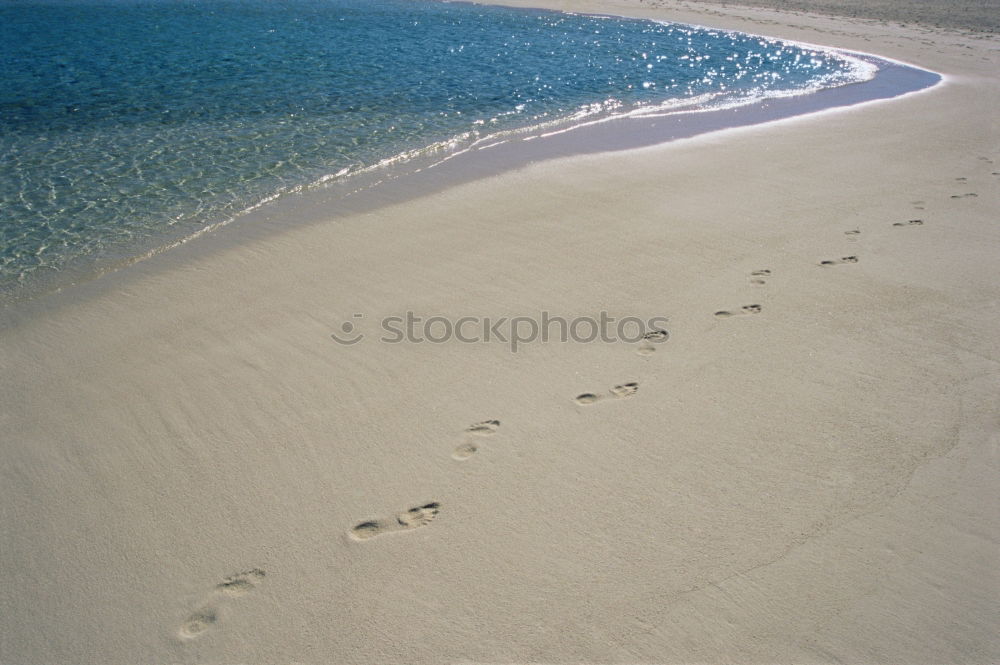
pixel 804 471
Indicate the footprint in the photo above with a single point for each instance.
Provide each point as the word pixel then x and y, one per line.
pixel 918 205
pixel 367 530
pixel 757 277
pixel 657 335
pixel 911 222
pixel 852 235
pixel 468 448
pixel 961 179
pixel 207 615
pixel 621 391
pixel 844 259
pixel 419 516
pixel 464 451
pixel 485 428
pixel 199 621
pixel 964 196
pixel 746 309
pixel 649 340
pixel 414 518
pixel 625 390
pixel 241 584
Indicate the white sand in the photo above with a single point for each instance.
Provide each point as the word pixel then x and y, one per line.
pixel 185 449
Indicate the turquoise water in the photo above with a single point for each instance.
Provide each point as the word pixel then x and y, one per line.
pixel 127 124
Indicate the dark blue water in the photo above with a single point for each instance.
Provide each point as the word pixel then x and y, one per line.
pixel 127 124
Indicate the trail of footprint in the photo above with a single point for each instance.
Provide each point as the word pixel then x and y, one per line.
pixel 757 277
pixel 911 222
pixel 844 259
pixel 414 518
pixel 207 615
pixel 649 340
pixel 746 309
pixel 621 391
pixel 467 449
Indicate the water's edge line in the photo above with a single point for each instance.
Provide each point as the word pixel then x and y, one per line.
pixel 522 136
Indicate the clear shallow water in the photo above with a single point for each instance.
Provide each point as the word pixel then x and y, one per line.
pixel 127 124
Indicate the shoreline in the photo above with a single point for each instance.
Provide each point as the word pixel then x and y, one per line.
pixel 803 472
pixel 379 186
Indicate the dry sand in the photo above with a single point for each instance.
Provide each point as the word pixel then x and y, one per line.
pixel 194 472
pixel 966 16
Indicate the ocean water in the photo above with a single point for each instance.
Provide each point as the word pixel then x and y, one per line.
pixel 126 125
